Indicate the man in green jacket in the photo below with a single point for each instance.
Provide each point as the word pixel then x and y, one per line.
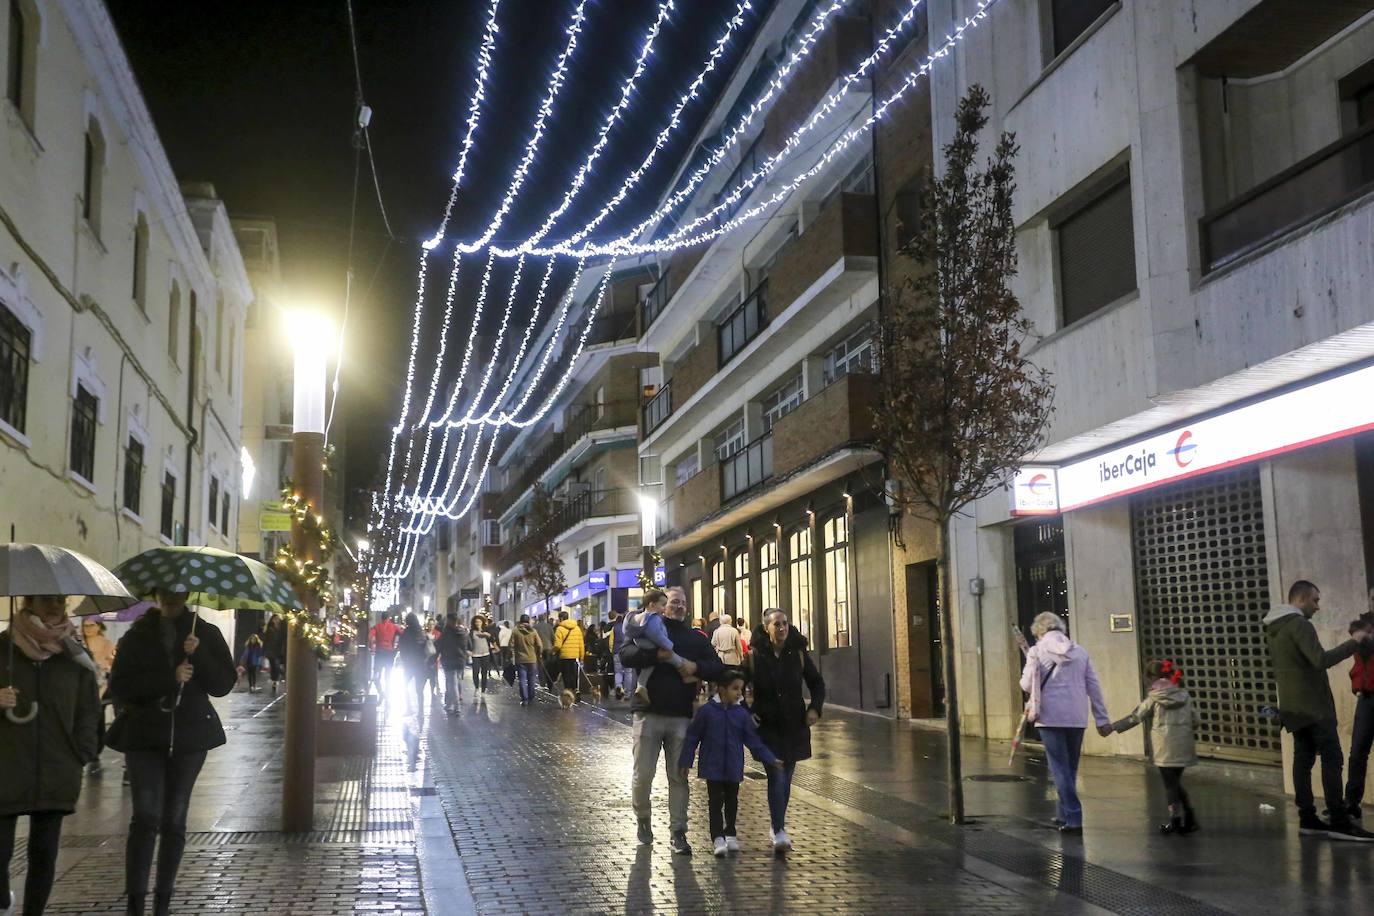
pixel 1308 710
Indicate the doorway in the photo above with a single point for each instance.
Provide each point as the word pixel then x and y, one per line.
pixel 923 641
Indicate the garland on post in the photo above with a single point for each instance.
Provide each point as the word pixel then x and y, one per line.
pixel 655 561
pixel 308 576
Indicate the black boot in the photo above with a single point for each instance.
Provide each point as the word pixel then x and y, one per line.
pixel 162 904
pixel 1175 826
pixel 1190 824
pixel 135 905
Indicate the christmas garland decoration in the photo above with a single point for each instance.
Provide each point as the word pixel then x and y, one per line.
pixel 308 576
pixel 655 561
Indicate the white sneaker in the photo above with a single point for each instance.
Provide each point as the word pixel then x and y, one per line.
pixel 781 841
pixel 9 907
pixel 720 847
pixel 731 844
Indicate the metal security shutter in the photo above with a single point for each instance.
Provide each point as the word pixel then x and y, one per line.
pixel 1096 253
pixel 1202 587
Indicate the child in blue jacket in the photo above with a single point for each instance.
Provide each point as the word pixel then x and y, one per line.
pixel 724 727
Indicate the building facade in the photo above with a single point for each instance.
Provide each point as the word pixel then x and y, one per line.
pixel 122 304
pixel 1194 218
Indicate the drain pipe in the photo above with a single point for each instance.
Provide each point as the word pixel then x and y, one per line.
pixel 975 588
pixel 192 435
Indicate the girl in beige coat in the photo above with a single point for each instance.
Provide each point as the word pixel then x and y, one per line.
pixel 1173 721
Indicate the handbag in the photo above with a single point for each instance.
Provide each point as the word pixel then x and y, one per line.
pixel 508 673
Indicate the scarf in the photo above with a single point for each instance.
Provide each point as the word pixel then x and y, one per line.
pixel 36 639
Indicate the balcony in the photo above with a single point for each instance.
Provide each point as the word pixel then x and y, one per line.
pixel 696 498
pixel 838 53
pixel 1300 194
pixel 742 325
pixel 654 301
pixel 658 408
pixel 589 505
pixel 747 468
pixel 838 415
pixel 579 421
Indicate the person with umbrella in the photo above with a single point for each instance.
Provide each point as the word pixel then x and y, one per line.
pixel 47 736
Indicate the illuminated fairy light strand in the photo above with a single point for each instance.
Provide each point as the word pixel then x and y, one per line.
pixel 575 187
pixel 484 60
pixel 535 311
pixel 556 82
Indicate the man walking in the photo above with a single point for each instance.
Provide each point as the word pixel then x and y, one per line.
pixel 543 625
pixel 382 641
pixel 1308 710
pixel 660 721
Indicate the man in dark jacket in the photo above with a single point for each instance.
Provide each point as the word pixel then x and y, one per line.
pixel 453 658
pixel 1308 710
pixel 781 665
pixel 660 724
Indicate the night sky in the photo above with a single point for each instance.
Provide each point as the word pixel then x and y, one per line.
pixel 258 98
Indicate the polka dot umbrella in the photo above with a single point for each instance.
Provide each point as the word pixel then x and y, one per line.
pixel 214 579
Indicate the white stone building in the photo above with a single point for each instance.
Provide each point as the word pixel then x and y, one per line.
pixel 122 303
pixel 1194 219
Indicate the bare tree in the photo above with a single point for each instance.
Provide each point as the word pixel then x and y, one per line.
pixel 541 557
pixel 962 406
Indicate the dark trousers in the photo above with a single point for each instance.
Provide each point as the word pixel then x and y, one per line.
pixel 45 832
pixel 568 670
pixel 251 671
pixel 1310 742
pixel 161 787
pixel 479 671
pixel 722 800
pixel 1361 739
pixel 1173 788
pixel 276 667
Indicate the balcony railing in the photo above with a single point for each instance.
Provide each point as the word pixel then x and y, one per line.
pixel 1306 191
pixel 658 408
pixel 742 325
pixel 654 301
pixel 747 468
pixel 580 420
pixel 575 509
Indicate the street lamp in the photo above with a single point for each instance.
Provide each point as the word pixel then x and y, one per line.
pixel 306 330
pixel 648 513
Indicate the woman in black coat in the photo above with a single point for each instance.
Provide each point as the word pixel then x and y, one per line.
pixel 163 678
pixel 42 757
pixel 781 665
pixel 414 654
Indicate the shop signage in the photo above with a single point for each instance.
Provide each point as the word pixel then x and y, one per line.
pixel 1035 491
pixel 1330 409
pixel 627 578
pixel 598 582
pixel 272 517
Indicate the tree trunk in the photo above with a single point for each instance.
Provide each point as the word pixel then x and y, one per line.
pixel 955 767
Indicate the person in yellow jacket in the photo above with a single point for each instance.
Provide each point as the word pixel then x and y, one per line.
pixel 571 648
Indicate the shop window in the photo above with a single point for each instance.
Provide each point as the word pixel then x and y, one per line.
pixel 16 342
pixel 214 499
pixel 799 581
pixel 1096 247
pixel 169 501
pixel 133 476
pixel 717 581
pixel 835 556
pixel 740 563
pixel 1071 18
pixel 783 401
pixel 768 575
pixel 84 408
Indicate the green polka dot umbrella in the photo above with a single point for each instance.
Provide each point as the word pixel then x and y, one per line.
pixel 214 579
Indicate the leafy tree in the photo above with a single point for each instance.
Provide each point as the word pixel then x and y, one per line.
pixel 962 405
pixel 542 559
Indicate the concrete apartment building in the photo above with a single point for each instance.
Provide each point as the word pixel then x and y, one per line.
pixel 1194 225
pixel 122 304
pixel 773 494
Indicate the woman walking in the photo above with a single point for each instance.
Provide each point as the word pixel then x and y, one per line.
pixel 274 648
pixel 167 667
pixel 413 651
pixel 528 649
pixel 42 758
pixel 250 662
pixel 781 666
pixel 479 644
pixel 453 655
pixel 1061 682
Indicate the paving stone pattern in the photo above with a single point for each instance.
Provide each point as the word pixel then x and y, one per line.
pixel 538 802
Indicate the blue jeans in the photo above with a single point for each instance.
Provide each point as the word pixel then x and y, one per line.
pixel 625 677
pixel 780 793
pixel 1062 747
pixel 1361 738
pixel 525 672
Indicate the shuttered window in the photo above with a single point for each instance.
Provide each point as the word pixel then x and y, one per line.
pixel 1097 253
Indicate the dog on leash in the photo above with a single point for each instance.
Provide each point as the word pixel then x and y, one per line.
pixel 566 699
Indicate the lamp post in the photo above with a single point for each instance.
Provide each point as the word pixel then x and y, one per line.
pixel 648 537
pixel 307 469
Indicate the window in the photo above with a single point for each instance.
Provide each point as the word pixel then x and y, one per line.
pixel 768 575
pixel 92 176
pixel 173 322
pixel 741 584
pixel 21 62
pixel 717 588
pixel 84 407
pixel 443 530
pixel 835 537
pixel 140 272
pixel 742 324
pixel 14 63
pixel 627 548
pixel 799 580
pixel 169 501
pixel 1071 18
pixel 224 513
pixel 600 402
pixel 582 566
pixel 782 402
pixel 1096 246
pixel 219 334
pixel 852 355
pixel 231 360
pixel 748 164
pixel 599 556
pixel 214 500
pixel 133 476
pixel 687 468
pixel 16 342
pixel 491 533
pixel 599 484
pixel 731 441
pixel 697 607
pixel 650 470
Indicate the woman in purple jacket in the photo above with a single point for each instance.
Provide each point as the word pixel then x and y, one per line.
pixel 1061 682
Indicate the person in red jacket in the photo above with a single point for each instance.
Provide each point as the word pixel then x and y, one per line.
pixel 1362 733
pixel 382 641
